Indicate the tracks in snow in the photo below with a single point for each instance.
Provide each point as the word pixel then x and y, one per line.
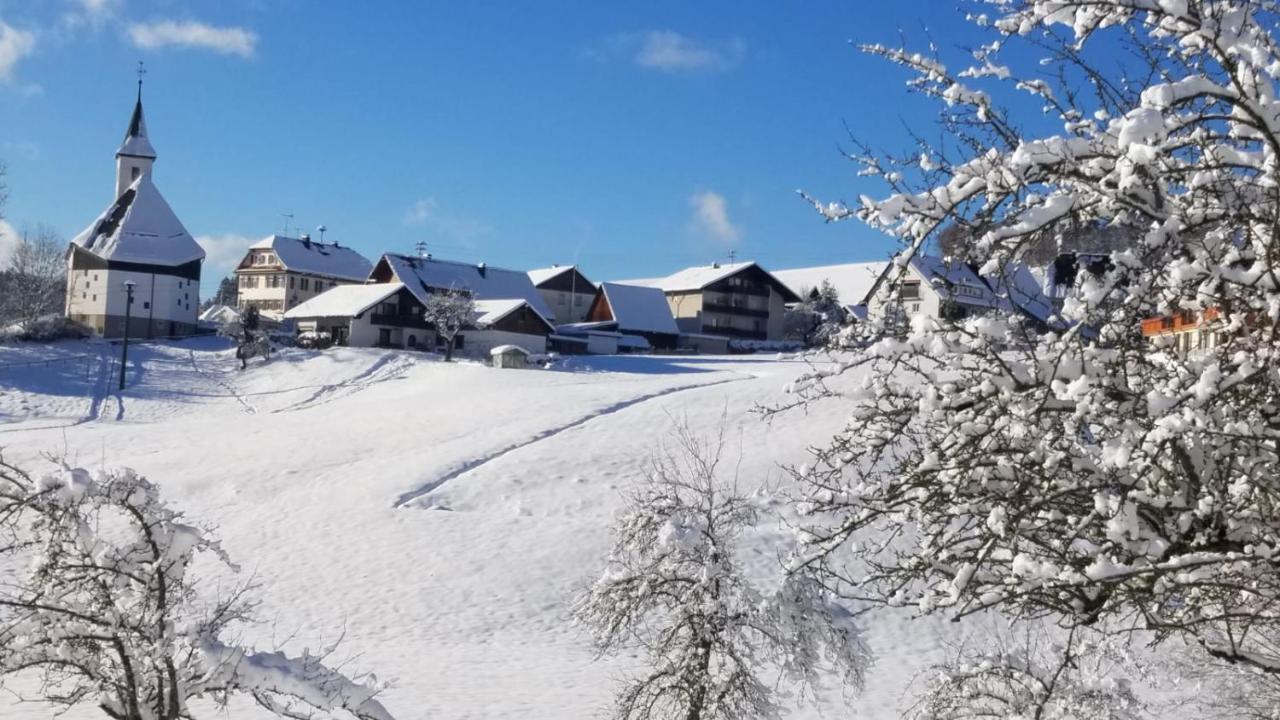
pixel 391 366
pixel 422 491
pixel 244 404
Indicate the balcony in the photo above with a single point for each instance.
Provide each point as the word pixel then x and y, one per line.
pixel 730 309
pixel 402 321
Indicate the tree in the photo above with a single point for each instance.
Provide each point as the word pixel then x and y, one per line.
pixel 35 279
pixel 818 320
pixel 1088 476
pixel 1024 674
pixel 674 587
pixel 101 602
pixel 227 294
pixel 449 312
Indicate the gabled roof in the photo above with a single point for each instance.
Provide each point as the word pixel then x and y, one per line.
pixel 639 309
pixel 308 256
pixel 484 282
pixel 136 143
pixel 490 312
pixel 542 275
pixel 699 277
pixel 853 281
pixel 344 301
pixel 140 227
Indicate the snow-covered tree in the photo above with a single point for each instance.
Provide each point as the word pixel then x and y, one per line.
pixel 35 282
pixel 449 312
pixel 1024 674
pixel 675 589
pixel 818 320
pixel 100 603
pixel 1089 476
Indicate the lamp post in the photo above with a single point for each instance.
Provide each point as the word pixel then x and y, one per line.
pixel 124 351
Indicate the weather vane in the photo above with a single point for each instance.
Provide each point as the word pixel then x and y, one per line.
pixel 141 71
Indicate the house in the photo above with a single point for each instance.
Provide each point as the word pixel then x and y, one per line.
pixel 382 315
pixel 278 272
pixel 636 312
pixel 137 243
pixel 566 290
pixel 504 322
pixel 737 300
pixel 1189 330
pixel 426 275
pixel 932 286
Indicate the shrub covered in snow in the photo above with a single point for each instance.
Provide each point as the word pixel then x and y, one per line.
pixel 1087 475
pixel 674 588
pixel 103 603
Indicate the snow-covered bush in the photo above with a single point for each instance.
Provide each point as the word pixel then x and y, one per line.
pixel 674 588
pixel 100 602
pixel 1088 475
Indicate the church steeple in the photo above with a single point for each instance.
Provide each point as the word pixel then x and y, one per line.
pixel 135 156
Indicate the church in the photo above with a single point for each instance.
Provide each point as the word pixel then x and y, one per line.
pixel 139 243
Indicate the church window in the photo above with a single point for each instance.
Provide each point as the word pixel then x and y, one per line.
pixel 95 298
pixel 84 295
pixel 135 172
pixel 146 306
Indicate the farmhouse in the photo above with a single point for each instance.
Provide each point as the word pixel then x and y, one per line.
pixel 566 290
pixel 504 322
pixel 637 312
pixel 736 301
pixel 278 272
pixel 136 242
pixel 382 315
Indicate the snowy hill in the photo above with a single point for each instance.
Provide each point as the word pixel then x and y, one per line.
pixel 443 516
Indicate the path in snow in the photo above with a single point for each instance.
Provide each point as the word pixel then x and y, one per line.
pixel 391 366
pixel 244 404
pixel 417 497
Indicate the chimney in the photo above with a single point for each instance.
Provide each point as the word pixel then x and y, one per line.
pixel 306 240
pixel 482 267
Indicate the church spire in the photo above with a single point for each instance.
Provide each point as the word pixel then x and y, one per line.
pixel 135 156
pixel 136 144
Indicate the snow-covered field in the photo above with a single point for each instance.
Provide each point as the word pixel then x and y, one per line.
pixel 442 516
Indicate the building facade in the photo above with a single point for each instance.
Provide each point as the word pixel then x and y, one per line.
pixel 137 247
pixel 280 273
pixel 566 291
pixel 739 301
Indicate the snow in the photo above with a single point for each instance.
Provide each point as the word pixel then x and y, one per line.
pixel 140 227
pixel 542 275
pixel 853 281
pixel 694 278
pixel 309 256
pixel 220 314
pixel 489 312
pixel 136 143
pixel 344 301
pixel 639 309
pixel 504 349
pixel 443 516
pixel 486 282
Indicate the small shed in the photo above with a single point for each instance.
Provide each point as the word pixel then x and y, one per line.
pixel 509 356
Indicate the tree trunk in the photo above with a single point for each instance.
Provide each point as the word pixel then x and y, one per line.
pixel 448 350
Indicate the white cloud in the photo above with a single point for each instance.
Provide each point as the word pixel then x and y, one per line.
pixel 8 240
pixel 711 218
pixel 190 34
pixel 447 227
pixel 669 51
pixel 15 44
pixel 222 252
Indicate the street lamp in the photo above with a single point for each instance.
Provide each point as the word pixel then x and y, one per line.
pixel 124 351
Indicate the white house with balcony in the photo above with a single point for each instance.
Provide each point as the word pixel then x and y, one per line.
pixel 737 301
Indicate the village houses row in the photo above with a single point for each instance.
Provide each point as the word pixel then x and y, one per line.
pixel 138 248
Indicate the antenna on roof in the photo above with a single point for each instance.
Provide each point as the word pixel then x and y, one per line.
pixel 287 217
pixel 733 254
pixel 321 230
pixel 421 248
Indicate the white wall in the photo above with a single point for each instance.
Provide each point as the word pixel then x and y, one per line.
pixel 161 298
pixel 478 343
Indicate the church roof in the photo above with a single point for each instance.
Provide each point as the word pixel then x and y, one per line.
pixel 136 143
pixel 140 227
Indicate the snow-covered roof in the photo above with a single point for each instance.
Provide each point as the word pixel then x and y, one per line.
pixel 136 143
pixel 1018 288
pixel 945 275
pixel 639 309
pixel 344 301
pixel 542 275
pixel 140 227
pixel 694 278
pixel 504 349
pixel 489 312
pixel 309 256
pixel 852 281
pixel 219 314
pixel 484 282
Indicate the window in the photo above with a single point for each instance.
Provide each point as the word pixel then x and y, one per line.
pixel 910 291
pixel 95 298
pixel 457 342
pixel 577 300
pixel 291 279
pixel 306 284
pixel 146 306
pixel 413 341
pixel 95 276
pixel 134 172
pixel 84 295
pixel 755 325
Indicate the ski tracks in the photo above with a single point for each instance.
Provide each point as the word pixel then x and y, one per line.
pixel 245 405
pixel 388 367
pixel 422 491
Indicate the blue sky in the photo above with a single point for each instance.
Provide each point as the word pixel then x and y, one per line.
pixel 633 138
